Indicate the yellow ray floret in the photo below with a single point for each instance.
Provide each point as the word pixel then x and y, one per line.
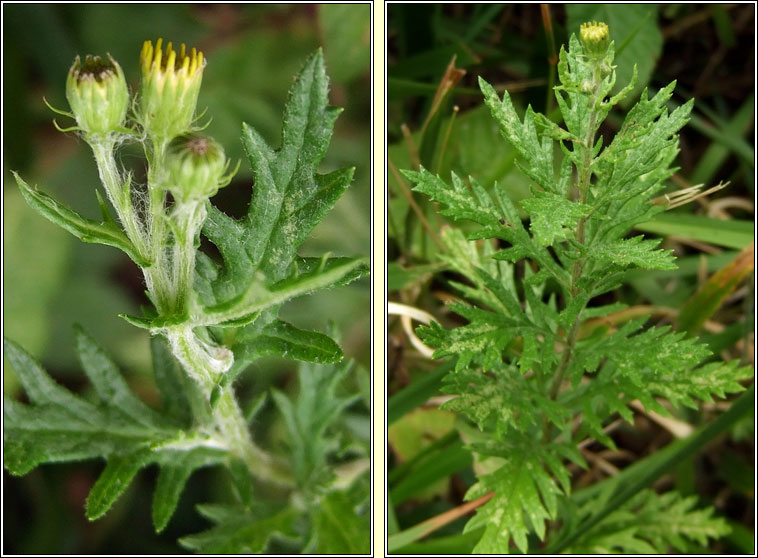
pixel 169 88
pixel 154 60
pixel 593 32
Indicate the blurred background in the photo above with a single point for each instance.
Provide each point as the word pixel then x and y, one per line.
pixel 437 118
pixel 52 280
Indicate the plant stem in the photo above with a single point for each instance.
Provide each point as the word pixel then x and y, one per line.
pixel 204 363
pixel 158 276
pixel 585 175
pixel 186 220
pixel 169 281
pixel 119 194
pixel 231 426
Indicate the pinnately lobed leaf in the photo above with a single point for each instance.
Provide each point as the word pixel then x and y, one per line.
pixel 261 269
pixel 238 531
pixel 651 524
pixel 59 426
pixel 209 320
pixel 523 366
pixel 289 198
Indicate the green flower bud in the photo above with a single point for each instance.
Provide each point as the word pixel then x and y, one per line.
pixel 168 89
pixel 595 39
pixel 97 93
pixel 196 165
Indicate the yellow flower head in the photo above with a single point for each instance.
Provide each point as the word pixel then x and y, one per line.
pixel 169 88
pixel 97 93
pixel 595 38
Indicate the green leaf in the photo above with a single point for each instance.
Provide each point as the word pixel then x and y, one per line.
pixel 238 531
pixel 308 419
pixel 501 399
pixel 499 218
pixel 730 233
pixel 242 482
pixel 480 342
pixel 650 523
pixel 553 216
pixel 523 137
pixel 282 339
pixel 630 482
pixel 573 71
pixel 86 230
pixel 110 386
pixel 634 251
pixel 171 382
pixel 461 202
pixel 493 281
pixel 171 481
pixel 289 198
pixel 326 274
pixel 113 481
pixel 58 425
pixel 635 165
pixel 338 529
pixel 639 157
pixel 525 497
pixel 640 366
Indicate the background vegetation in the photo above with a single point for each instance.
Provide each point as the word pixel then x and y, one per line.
pixel 437 118
pixel 51 280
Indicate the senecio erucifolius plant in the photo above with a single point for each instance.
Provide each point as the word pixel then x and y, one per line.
pixel 210 317
pixel 537 367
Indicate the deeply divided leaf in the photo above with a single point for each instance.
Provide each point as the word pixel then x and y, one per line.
pixel 58 425
pixel 289 196
pixel 539 362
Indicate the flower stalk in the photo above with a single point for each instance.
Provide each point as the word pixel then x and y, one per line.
pixel 595 40
pixel 184 170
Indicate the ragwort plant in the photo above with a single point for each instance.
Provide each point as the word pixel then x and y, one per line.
pixel 209 320
pixel 537 368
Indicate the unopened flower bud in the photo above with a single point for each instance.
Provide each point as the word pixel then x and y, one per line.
pixel 595 39
pixel 97 93
pixel 196 165
pixel 168 89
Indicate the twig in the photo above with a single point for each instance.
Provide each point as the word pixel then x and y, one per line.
pixel 449 516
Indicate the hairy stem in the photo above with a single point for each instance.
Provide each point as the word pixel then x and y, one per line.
pixel 186 221
pixel 119 194
pixel 231 426
pixel 204 363
pixel 585 174
pixel 158 276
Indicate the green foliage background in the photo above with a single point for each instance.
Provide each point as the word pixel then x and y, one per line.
pixel 703 47
pixel 53 281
